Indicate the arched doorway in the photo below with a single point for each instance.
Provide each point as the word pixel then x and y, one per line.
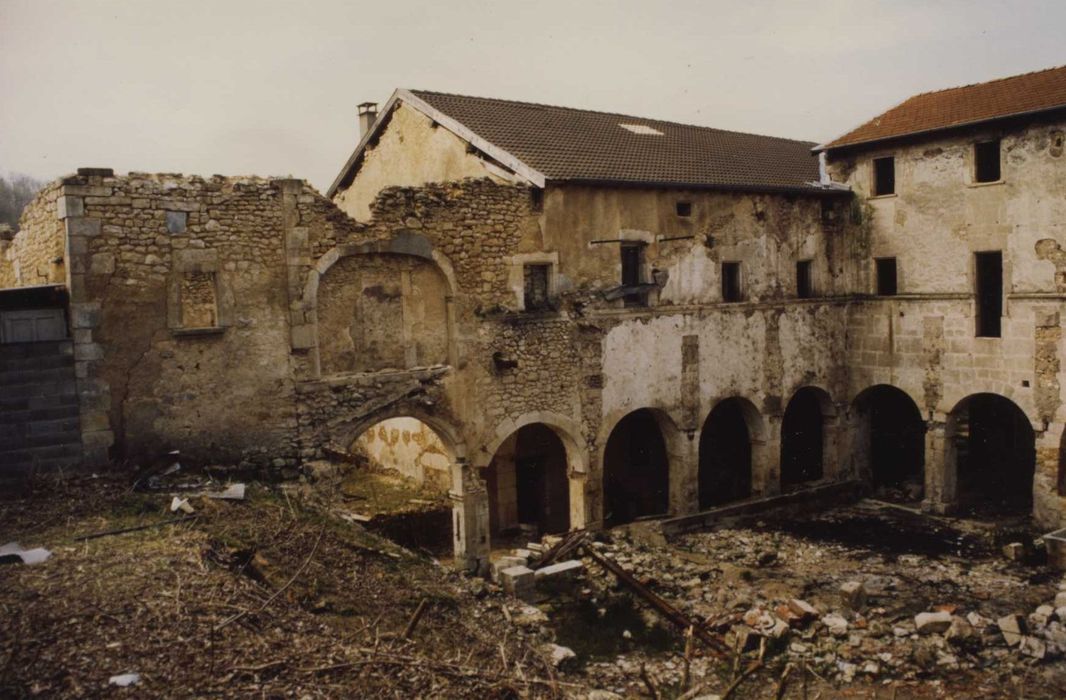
pixel 995 455
pixel 726 452
pixel 636 469
pixel 803 437
pixel 528 484
pixel 889 448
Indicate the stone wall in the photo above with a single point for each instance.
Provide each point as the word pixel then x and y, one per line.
pixel 37 256
pixel 923 340
pixel 408 446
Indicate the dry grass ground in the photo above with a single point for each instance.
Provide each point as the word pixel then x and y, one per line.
pixel 265 597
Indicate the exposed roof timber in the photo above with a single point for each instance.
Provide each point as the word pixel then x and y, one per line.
pixel 443 120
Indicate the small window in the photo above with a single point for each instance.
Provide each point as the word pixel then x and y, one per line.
pixel 536 287
pixel 988 269
pixel 986 161
pixel 884 176
pixel 829 211
pixel 177 221
pixel 536 200
pixel 684 208
pixel 804 283
pixel 886 277
pixel 731 290
pixel 199 300
pixel 632 261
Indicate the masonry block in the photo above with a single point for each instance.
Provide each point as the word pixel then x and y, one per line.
pixel 519 581
pixel 69 207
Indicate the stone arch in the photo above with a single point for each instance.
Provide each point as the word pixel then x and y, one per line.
pixel 808 436
pixel 990 455
pixel 403 243
pixel 643 458
pixel 568 433
pixel 732 440
pixel 888 441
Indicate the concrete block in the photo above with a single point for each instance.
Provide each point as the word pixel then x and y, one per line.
pixel 853 594
pixel 518 581
pixel 502 563
pixel 562 570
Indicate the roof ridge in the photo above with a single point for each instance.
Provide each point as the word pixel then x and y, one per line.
pixel 985 82
pixel 610 114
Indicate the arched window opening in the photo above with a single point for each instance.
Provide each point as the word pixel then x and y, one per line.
pixel 803 437
pixel 725 454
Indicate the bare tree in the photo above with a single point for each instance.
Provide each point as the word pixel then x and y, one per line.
pixel 16 192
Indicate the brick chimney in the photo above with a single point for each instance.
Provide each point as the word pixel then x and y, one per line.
pixel 368 114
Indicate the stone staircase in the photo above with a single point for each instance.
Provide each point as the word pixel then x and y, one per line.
pixel 39 420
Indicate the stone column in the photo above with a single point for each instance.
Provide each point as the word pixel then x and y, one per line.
pixel 941 492
pixel 833 446
pixel 684 456
pixel 766 460
pixel 470 512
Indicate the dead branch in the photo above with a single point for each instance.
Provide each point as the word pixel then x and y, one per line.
pixel 281 590
pixel 123 530
pixel 779 692
pixel 415 618
pixel 648 682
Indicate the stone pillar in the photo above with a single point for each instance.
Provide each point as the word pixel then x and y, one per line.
pixel 94 393
pixel 766 460
pixel 470 513
pixel 1049 507
pixel 941 492
pixel 834 448
pixel 684 459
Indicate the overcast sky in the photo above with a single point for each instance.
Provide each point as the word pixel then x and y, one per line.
pixel 271 88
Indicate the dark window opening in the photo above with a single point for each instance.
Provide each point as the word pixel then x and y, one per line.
pixel 829 211
pixel 731 290
pixel 804 283
pixel 989 278
pixel 632 261
pixel 986 161
pixel 536 287
pixel 886 277
pixel 536 200
pixel 884 176
pixel 684 208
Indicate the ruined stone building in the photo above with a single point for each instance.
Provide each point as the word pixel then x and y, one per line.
pixel 571 318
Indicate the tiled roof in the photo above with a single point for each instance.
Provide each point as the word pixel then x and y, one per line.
pixel 929 111
pixel 564 144
pixel 576 144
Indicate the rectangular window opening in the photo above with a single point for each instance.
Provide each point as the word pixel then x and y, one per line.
pixel 684 208
pixel 536 200
pixel 804 283
pixel 536 297
pixel 887 283
pixel 986 161
pixel 884 176
pixel 199 300
pixel 988 268
pixel 731 289
pixel 632 261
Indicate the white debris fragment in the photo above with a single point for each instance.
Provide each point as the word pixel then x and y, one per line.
pixel 125 679
pixel 181 504
pixel 13 551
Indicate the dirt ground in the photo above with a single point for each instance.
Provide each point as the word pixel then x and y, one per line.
pixel 293 592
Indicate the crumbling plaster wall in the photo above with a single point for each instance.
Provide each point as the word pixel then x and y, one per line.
pixel 410 151
pixel 923 341
pixel 408 446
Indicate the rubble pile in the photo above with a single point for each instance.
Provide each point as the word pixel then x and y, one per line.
pixel 843 612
